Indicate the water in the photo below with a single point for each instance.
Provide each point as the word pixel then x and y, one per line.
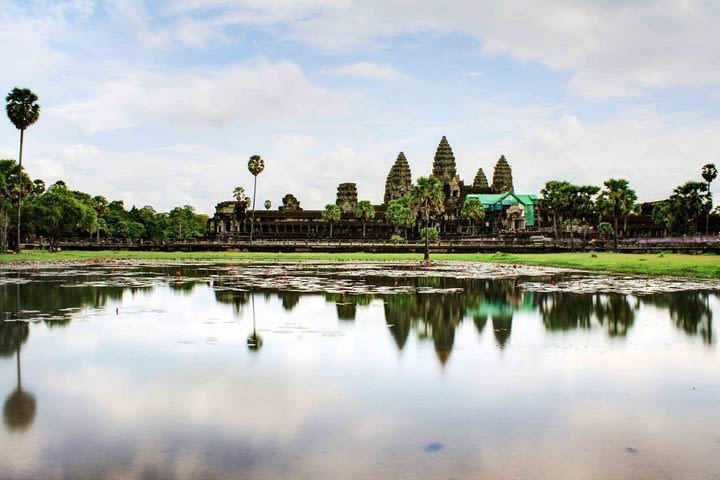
pixel 164 372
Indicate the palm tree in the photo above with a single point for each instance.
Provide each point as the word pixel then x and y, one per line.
pixel 709 173
pixel 268 204
pixel 616 200
pixel 256 165
pixel 22 110
pixel 427 198
pixel 365 211
pixel 331 214
pixel 473 211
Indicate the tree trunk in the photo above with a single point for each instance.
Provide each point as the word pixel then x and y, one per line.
pixel 363 229
pixel 615 243
pixel 707 215
pixel 572 236
pixel 331 225
pixel 22 135
pixel 427 235
pixel 555 227
pixel 252 224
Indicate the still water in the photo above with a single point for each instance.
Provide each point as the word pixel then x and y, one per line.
pixel 354 372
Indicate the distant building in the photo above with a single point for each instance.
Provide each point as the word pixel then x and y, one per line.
pixel 505 210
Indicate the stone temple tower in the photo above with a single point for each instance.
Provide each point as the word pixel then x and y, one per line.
pixel 481 180
pixel 444 163
pixel 399 180
pixel 347 197
pixel 502 177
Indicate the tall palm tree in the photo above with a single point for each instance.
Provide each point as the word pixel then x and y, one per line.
pixel 331 214
pixel 364 211
pixel 427 198
pixel 22 110
pixel 616 200
pixel 709 173
pixel 256 165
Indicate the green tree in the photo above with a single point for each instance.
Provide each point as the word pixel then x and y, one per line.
pixel 398 213
pixel 473 211
pixel 578 205
pixel 255 165
pixel 183 222
pixel 364 211
pixel 10 186
pixel 709 173
pixel 268 204
pixel 58 212
pixel 23 111
pixel 681 211
pixel 427 198
pixel 331 214
pixel 554 201
pixel 615 200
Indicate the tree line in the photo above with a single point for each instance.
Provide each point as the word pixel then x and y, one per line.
pixel 579 207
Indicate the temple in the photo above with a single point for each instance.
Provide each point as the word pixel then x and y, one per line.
pixel 505 210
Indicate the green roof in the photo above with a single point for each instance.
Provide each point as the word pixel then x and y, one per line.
pixel 496 201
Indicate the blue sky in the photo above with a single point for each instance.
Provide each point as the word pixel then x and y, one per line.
pixel 162 102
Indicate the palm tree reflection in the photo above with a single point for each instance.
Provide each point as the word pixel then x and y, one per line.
pixel 20 406
pixel 254 341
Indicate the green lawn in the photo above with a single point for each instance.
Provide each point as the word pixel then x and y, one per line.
pixel 703 266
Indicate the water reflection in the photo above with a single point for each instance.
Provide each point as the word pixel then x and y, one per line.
pixel 20 406
pixel 531 384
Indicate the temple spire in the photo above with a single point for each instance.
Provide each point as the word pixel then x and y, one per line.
pixel 444 163
pixel 481 180
pixel 502 176
pixel 399 179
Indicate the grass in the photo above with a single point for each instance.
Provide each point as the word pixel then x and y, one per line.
pixel 698 266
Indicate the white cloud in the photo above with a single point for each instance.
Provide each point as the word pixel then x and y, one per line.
pixel 608 49
pixel 256 92
pixel 368 70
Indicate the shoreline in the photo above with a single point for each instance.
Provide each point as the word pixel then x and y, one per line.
pixel 668 264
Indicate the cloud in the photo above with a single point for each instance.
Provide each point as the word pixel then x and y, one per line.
pixel 260 91
pixel 608 49
pixel 368 70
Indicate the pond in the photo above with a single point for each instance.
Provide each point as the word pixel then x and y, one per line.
pixel 362 371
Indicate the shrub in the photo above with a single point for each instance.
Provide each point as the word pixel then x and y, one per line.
pixel 432 233
pixel 397 239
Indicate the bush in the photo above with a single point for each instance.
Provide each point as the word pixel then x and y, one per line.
pixel 432 232
pixel 397 239
pixel 606 230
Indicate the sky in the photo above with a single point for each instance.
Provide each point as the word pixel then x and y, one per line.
pixel 162 102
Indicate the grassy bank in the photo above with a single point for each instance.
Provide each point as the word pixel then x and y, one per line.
pixel 702 266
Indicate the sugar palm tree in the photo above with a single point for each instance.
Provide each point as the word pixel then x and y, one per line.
pixel 268 204
pixel 473 211
pixel 617 199
pixel 426 198
pixel 365 211
pixel 709 173
pixel 22 110
pixel 256 165
pixel 331 214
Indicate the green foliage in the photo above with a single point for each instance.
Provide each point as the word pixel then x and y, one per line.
pixel 59 212
pixel 431 233
pixel 617 198
pixel 22 107
pixel 681 211
pixel 709 172
pixel 606 230
pixel 427 197
pixel 256 165
pixel 364 210
pixel 397 239
pixel 472 210
pixel 331 213
pixel 239 194
pixel 399 214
